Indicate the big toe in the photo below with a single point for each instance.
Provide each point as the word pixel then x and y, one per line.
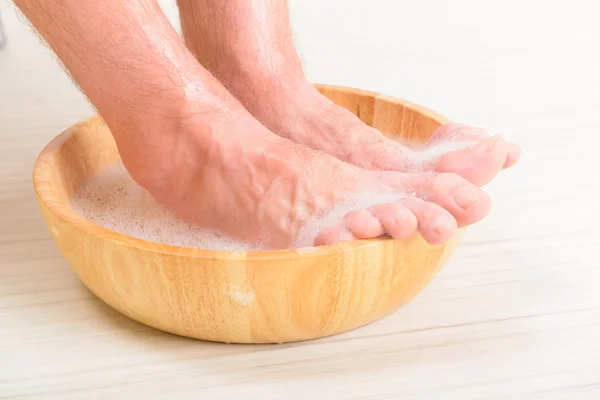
pixel 478 164
pixel 466 202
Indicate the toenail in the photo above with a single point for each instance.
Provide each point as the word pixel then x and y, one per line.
pixel 401 215
pixel 439 226
pixel 490 146
pixel 466 196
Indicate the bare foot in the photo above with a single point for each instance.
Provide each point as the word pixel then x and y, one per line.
pixel 184 138
pixel 227 172
pixel 261 67
pixel 297 111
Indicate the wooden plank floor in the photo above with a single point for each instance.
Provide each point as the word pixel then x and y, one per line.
pixel 514 315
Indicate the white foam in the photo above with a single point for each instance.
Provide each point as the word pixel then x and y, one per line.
pixel 113 200
pixel 435 151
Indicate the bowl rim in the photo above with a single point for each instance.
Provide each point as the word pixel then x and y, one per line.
pixel 44 189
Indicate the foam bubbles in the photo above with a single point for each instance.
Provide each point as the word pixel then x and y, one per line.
pixel 113 200
pixel 436 150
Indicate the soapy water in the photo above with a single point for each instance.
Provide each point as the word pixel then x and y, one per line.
pixel 113 200
pixel 436 150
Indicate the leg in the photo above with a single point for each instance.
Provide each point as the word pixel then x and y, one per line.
pixel 185 139
pixel 245 43
pixel 248 45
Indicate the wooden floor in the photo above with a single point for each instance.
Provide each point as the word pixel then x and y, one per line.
pixel 514 315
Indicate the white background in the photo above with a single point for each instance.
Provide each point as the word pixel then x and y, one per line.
pixel 514 315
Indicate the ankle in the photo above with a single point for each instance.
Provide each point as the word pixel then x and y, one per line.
pixel 254 84
pixel 274 98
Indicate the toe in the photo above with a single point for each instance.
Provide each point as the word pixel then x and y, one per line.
pixel 332 235
pixel 435 224
pixel 467 203
pixel 478 164
pixel 465 133
pixel 363 224
pixel 397 220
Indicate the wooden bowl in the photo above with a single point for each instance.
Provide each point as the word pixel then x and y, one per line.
pixel 237 296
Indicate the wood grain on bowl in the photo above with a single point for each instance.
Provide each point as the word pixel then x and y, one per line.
pixel 235 296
